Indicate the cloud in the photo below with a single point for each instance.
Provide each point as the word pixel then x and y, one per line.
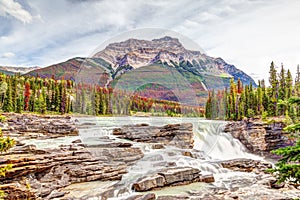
pixel 8 55
pixel 246 33
pixel 12 8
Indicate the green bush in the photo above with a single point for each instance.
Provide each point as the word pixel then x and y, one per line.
pixel 288 167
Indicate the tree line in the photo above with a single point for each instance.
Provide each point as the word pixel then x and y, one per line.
pixel 34 94
pixel 238 101
pixel 48 95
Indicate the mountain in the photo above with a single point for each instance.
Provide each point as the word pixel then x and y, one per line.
pixel 14 70
pixel 133 53
pixel 136 63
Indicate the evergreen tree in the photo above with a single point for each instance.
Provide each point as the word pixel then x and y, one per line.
pixel 19 106
pixel 14 94
pixel 289 85
pixel 63 97
pixel 8 105
pixel 208 107
pixel 42 102
pixel 282 84
pixel 273 91
pixel 3 88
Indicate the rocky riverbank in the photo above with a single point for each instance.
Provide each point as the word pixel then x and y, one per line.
pixel 29 126
pixel 115 164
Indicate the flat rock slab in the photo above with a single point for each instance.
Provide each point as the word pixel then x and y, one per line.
pixel 170 177
pixel 246 165
pixel 38 126
pixel 179 135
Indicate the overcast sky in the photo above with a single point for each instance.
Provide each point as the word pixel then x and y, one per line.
pixel 247 33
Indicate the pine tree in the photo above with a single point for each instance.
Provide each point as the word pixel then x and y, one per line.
pixel 8 105
pixel 208 107
pixel 63 97
pixel 282 84
pixel 273 91
pixel 3 88
pixel 57 97
pixel 20 105
pixel 281 90
pixel 42 102
pixel 14 94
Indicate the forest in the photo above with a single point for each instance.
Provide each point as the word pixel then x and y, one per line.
pixel 50 96
pixel 240 101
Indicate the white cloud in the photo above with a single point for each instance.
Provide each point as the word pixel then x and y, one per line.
pixel 10 7
pixel 8 55
pixel 249 34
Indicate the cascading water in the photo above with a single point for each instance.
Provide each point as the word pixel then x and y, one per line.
pixel 210 138
pixel 211 145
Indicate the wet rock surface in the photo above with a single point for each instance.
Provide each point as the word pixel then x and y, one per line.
pixel 179 135
pixel 257 136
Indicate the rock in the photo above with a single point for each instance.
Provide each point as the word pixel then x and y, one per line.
pixel 39 126
pixel 187 153
pixel 157 146
pixel 176 197
pixel 111 144
pixel 246 165
pixel 179 135
pixel 209 178
pixel 149 183
pixel 169 177
pixel 77 141
pixel 58 168
pixel 13 192
pixel 257 136
pixel 276 185
pixel 150 196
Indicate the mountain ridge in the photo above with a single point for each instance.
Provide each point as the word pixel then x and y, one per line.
pixel 121 57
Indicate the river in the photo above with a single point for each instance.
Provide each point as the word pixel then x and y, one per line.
pixel 211 145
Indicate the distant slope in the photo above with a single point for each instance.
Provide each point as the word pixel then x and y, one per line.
pixel 75 69
pixel 13 70
pixel 66 69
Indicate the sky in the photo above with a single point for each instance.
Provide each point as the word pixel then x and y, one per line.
pixel 247 33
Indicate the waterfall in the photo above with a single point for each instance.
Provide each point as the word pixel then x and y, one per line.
pixel 210 138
